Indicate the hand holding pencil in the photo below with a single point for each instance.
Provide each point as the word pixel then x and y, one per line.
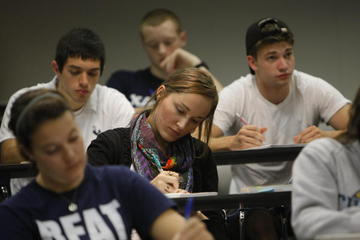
pixel 166 181
pixel 194 229
pixel 248 136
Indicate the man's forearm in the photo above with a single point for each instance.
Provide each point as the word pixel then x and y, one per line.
pixel 220 144
pixel 333 133
pixel 10 152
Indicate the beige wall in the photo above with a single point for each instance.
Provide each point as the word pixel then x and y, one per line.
pixel 326 33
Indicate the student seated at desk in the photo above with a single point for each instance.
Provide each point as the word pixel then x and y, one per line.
pixel 164 39
pixel 78 64
pixel 158 145
pixel 71 200
pixel 326 185
pixel 273 104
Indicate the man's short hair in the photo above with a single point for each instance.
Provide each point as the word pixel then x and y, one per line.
pixel 80 42
pixel 266 31
pixel 157 16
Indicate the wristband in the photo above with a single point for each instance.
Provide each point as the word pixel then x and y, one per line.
pixel 202 64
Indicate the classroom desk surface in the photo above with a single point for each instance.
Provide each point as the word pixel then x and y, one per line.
pixel 263 199
pixel 17 170
pixel 271 154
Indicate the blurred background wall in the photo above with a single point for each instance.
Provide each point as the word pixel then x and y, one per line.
pixel 327 36
pixel 326 32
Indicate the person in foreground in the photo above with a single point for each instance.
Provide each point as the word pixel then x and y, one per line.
pixel 158 145
pixel 326 184
pixel 72 200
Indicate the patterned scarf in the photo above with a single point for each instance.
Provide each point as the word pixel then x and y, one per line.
pixel 149 160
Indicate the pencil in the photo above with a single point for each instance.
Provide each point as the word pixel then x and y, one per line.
pixel 242 120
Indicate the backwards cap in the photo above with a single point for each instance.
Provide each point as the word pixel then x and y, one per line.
pixel 264 28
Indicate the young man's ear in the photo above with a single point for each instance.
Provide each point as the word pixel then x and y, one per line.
pixel 55 67
pixel 252 62
pixel 183 38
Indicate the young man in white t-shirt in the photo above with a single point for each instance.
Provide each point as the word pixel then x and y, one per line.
pixel 78 64
pixel 275 104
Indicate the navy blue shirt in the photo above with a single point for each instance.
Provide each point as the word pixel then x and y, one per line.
pixel 137 86
pixel 111 201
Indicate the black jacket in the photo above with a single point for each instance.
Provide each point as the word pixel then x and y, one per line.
pixel 112 147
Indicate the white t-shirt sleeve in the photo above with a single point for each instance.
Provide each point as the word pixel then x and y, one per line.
pixel 5 132
pixel 121 109
pixel 328 99
pixel 231 101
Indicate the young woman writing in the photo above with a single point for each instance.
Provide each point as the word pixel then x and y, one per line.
pixel 158 145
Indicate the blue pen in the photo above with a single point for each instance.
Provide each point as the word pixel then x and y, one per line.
pixel 188 207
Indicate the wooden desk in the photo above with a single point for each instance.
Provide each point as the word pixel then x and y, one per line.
pixel 273 154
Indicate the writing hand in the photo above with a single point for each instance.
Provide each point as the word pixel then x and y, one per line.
pixel 193 229
pixel 166 181
pixel 309 134
pixel 248 136
pixel 179 190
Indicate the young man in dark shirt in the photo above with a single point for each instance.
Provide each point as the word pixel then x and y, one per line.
pixel 163 39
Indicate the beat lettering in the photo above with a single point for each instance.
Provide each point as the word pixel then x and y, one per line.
pixel 49 230
pixel 96 226
pixel 110 210
pixel 72 231
pixel 72 226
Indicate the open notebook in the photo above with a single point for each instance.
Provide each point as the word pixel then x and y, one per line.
pixel 339 236
pixel 270 188
pixel 187 195
pixel 276 146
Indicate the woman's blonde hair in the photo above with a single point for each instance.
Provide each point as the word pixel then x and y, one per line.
pixel 196 81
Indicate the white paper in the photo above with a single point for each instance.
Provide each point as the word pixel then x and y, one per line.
pixel 187 195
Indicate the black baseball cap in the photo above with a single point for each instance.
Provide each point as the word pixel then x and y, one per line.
pixel 265 28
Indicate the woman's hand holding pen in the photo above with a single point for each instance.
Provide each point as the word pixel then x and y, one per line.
pixel 188 210
pixel 166 181
pixel 193 229
pixel 248 136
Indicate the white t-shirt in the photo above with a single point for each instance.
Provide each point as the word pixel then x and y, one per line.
pixel 106 108
pixel 310 101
